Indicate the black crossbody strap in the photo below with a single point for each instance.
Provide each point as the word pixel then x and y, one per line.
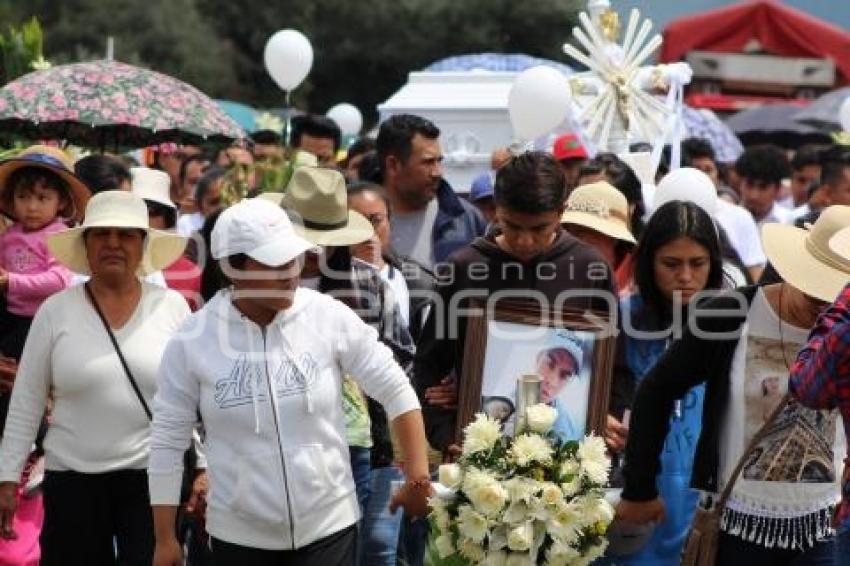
pixel 120 353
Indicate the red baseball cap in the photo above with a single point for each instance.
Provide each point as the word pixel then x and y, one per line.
pixel 568 146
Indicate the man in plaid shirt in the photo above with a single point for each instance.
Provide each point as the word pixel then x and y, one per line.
pixel 820 379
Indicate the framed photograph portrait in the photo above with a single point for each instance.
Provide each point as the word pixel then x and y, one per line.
pixel 571 352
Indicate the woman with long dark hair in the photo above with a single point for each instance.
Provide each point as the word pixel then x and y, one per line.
pixel 678 256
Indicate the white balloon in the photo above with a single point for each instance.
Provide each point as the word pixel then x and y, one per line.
pixel 844 115
pixel 347 117
pixel 289 57
pixel 538 102
pixel 687 184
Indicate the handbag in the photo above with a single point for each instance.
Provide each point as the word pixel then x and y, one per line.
pixel 703 538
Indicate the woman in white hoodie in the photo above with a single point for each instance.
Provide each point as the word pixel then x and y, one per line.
pixel 263 363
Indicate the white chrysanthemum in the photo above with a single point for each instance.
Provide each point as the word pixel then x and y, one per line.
pixel 485 492
pixel 560 554
pixel 471 550
pixel 528 448
pixel 522 489
pixel 521 537
pixel 496 558
pixel 481 434
pixel 552 495
pixel 470 524
pixel 569 468
pixel 541 417
pixel 518 559
pixel 595 464
pixel 571 487
pixel 445 546
pixel 440 514
pixel 451 475
pixel 565 523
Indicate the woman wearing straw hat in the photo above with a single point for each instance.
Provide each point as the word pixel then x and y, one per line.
pixel 780 503
pixel 598 215
pixel 270 398
pixel 95 349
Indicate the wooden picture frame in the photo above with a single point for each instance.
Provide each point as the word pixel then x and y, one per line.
pixel 585 326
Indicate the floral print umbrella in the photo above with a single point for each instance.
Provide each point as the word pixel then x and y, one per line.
pixel 105 104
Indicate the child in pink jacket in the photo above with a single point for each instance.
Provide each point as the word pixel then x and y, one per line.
pixel 38 190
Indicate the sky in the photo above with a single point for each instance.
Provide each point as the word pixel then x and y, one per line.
pixel 662 11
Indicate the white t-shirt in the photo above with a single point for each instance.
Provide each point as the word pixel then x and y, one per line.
pixel 795 470
pixel 743 232
pixel 394 278
pixel 98 423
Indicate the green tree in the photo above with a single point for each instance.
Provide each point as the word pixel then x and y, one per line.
pixel 169 36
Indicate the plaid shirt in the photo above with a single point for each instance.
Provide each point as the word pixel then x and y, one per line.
pixel 820 378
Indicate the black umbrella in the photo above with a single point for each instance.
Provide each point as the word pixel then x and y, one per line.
pixel 822 114
pixel 774 123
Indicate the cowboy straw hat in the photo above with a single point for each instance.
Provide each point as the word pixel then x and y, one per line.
pixel 600 207
pixel 116 209
pixel 50 158
pixel 805 258
pixel 318 200
pixel 153 185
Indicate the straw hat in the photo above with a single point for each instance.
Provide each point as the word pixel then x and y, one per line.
pixel 601 207
pixel 319 200
pixel 152 184
pixel 116 209
pixel 53 159
pixel 806 257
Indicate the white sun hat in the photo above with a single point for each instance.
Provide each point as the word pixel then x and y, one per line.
pixel 116 209
pixel 152 184
pixel 259 229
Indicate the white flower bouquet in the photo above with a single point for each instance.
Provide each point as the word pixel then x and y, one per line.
pixel 531 499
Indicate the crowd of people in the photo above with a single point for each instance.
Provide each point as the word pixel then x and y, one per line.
pixel 253 354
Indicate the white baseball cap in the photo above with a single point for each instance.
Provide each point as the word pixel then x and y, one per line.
pixel 259 229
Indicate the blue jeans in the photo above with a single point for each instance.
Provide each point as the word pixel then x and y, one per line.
pixel 361 469
pixel 379 535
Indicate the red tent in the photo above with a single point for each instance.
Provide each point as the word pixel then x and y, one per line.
pixel 779 29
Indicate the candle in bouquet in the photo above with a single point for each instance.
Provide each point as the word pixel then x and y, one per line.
pixel 527 395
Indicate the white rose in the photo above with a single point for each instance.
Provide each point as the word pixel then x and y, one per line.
pixel 497 558
pixel 518 559
pixel 451 475
pixel 541 417
pixel 471 550
pixel 445 547
pixel 486 493
pixel 528 448
pixel 552 494
pixel 594 461
pixel 521 537
pixel 471 525
pixel 481 434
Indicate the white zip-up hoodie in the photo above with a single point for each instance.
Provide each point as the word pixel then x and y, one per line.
pixel 271 403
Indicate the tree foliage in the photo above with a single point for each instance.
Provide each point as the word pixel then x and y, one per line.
pixel 363 50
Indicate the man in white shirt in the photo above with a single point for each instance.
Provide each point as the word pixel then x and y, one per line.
pixel 762 169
